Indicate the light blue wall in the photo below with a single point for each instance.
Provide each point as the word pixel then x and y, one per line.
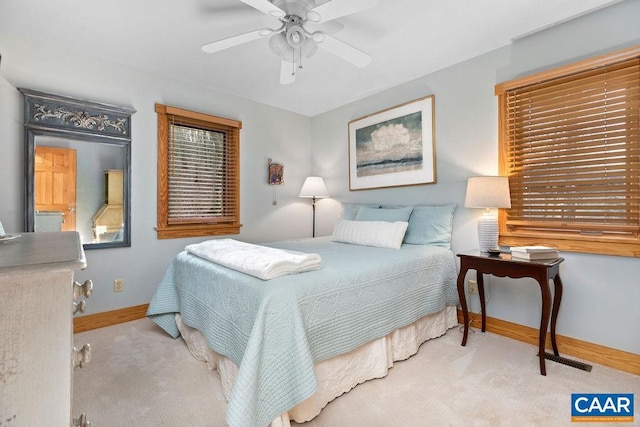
pixel 602 293
pixel 266 133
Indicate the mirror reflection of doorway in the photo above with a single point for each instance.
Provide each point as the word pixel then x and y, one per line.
pixel 55 188
pixel 100 135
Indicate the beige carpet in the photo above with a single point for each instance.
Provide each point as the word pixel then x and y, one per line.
pixel 139 376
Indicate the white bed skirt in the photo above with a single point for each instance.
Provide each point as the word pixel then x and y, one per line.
pixel 338 374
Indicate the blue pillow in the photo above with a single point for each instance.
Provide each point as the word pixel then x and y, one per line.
pixel 350 210
pixel 430 225
pixel 388 215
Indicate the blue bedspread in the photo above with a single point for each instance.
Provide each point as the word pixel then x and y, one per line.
pixel 276 330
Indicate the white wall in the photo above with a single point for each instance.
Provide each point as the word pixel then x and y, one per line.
pixel 267 132
pixel 601 293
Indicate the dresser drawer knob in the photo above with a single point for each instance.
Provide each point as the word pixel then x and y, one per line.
pixel 81 356
pixel 81 421
pixel 85 289
pixel 79 306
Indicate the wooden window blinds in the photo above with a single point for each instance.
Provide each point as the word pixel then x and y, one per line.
pixel 198 174
pixel 570 145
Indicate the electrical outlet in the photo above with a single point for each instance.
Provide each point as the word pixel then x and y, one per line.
pixel 118 285
pixel 473 287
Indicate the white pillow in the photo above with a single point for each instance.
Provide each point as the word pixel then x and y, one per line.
pixel 380 234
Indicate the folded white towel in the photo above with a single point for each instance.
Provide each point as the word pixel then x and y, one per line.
pixel 260 261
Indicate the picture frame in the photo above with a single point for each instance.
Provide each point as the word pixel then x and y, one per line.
pixel 394 147
pixel 276 174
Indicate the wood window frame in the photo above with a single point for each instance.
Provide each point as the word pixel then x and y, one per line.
pixel 167 229
pixel 564 239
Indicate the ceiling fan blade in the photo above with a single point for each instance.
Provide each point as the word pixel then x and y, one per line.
pixel 287 72
pixel 344 51
pixel 266 7
pixel 337 8
pixel 234 40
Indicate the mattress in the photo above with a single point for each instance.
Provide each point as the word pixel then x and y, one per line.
pixel 277 331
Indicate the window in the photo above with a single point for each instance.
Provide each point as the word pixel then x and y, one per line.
pixel 570 145
pixel 198 174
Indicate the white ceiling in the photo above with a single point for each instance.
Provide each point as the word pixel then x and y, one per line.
pixel 406 38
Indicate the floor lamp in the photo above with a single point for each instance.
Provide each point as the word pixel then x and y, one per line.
pixel 488 192
pixel 314 188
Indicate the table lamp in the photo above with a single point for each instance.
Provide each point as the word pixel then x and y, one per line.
pixel 488 192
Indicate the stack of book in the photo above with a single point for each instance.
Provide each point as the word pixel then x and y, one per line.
pixel 534 252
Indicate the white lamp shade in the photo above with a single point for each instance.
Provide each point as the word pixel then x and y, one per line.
pixel 488 192
pixel 314 187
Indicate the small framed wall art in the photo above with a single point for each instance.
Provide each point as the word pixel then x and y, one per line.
pixel 276 173
pixel 394 147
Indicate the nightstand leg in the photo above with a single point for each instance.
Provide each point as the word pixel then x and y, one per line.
pixel 544 321
pixel 483 308
pixel 463 302
pixel 557 298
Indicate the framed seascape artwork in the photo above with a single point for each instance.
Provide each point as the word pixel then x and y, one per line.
pixel 394 147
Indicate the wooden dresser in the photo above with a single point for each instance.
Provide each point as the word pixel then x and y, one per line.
pixel 38 298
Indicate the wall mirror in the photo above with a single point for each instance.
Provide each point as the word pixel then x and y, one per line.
pixel 78 165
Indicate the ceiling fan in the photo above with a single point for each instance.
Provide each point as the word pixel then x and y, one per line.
pixel 291 40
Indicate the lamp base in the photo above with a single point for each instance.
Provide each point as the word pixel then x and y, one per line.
pixel 313 227
pixel 488 232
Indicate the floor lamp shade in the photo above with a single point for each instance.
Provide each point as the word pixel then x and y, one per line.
pixel 314 188
pixel 488 192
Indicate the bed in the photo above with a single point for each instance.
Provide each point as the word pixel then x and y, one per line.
pixel 276 343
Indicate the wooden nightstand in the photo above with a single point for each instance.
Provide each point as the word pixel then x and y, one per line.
pixel 504 266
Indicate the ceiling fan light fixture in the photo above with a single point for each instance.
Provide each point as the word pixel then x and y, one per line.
pixel 278 44
pixel 295 36
pixel 310 48
pixel 318 36
pixel 313 16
